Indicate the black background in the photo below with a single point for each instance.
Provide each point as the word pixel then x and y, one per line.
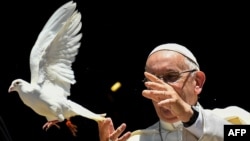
pixel 117 37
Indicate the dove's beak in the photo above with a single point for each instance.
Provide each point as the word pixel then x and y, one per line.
pixel 10 89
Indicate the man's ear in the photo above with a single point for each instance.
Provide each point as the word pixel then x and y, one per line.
pixel 200 79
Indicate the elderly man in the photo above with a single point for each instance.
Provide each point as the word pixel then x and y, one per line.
pixel 174 81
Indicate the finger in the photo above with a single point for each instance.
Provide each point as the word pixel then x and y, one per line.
pixel 166 103
pixel 103 127
pixel 155 82
pixel 125 136
pixel 156 95
pixel 152 77
pixel 110 124
pixel 155 86
pixel 149 95
pixel 118 131
pixel 106 124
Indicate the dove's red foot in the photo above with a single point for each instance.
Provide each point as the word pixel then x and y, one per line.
pixel 71 127
pixel 48 124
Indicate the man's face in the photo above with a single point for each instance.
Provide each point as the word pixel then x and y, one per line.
pixel 168 66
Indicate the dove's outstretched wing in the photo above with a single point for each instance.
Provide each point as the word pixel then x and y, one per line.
pixel 51 61
pixel 56 47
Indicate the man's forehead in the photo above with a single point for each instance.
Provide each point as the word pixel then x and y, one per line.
pixel 164 61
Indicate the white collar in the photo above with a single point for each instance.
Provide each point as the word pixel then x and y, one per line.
pixel 170 126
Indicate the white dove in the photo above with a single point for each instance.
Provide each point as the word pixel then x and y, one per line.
pixel 51 59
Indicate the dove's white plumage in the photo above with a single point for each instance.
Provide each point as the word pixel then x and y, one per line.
pixel 51 61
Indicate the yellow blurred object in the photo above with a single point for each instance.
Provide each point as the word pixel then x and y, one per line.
pixel 235 120
pixel 116 86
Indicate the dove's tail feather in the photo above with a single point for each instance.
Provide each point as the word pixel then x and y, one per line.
pixel 84 112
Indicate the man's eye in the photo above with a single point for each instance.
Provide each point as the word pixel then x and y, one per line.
pixel 171 77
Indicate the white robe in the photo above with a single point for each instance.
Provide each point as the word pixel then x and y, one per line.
pixel 208 127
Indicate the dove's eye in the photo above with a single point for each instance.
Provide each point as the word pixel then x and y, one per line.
pixel 17 83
